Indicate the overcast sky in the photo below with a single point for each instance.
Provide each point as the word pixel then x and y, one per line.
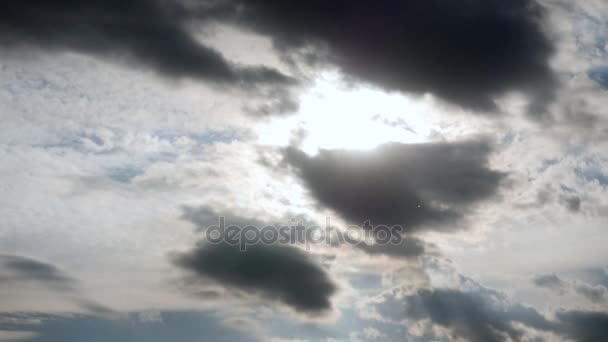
pixel 474 131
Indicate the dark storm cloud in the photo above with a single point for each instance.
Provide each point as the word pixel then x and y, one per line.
pixel 466 52
pixel 276 272
pixel 405 184
pixel 149 32
pixel 474 316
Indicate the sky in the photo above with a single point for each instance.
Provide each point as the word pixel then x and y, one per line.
pixel 246 170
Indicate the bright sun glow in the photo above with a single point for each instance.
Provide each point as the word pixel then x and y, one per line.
pixel 334 117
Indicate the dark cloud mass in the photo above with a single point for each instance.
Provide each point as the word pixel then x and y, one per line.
pixel 276 272
pixel 150 32
pixel 407 184
pixel 466 52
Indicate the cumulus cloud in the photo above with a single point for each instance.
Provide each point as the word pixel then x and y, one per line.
pixel 468 53
pixel 412 185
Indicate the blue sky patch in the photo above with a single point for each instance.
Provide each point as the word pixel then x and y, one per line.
pixel 591 173
pixel 599 75
pixel 124 174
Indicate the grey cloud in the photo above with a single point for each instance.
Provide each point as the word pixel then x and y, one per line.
pixel 413 185
pixel 278 100
pixel 597 276
pixel 593 293
pixel 473 316
pixel 548 195
pixel 274 272
pixel 573 203
pixel 485 316
pixel 204 217
pixel 20 269
pixel 27 269
pixel 468 53
pixel 550 281
pixel 410 247
pixel 473 313
pixel 584 326
pixel 152 33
